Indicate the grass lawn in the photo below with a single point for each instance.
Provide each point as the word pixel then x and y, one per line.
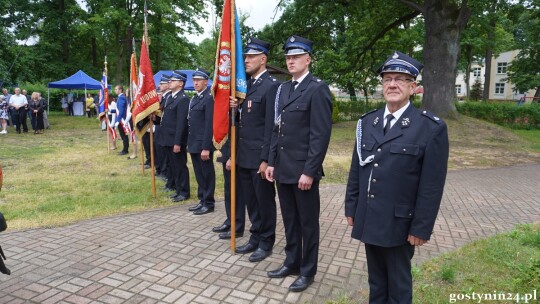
pixel 67 174
pixel 498 267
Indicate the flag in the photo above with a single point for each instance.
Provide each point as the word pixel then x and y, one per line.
pixel 104 102
pixel 132 96
pixel 147 100
pixel 229 70
pixel 103 96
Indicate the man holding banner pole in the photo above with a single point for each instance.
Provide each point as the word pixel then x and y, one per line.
pixel 255 124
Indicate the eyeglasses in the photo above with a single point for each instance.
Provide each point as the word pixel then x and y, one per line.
pixel 399 81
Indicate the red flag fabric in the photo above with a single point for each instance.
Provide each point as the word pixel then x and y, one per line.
pixel 222 79
pixel 147 101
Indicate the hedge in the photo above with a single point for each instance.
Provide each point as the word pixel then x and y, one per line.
pixel 526 116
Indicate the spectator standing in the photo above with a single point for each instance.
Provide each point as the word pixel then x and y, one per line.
pixel 36 110
pixel 19 104
pixel 6 94
pixel 70 101
pixel 89 105
pixel 4 117
pixel 64 103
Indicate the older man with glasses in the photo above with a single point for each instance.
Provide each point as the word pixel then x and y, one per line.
pixel 396 181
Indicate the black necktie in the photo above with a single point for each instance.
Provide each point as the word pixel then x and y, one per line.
pixel 389 119
pixel 293 85
pixel 250 83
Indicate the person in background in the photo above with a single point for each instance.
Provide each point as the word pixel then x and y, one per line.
pixel 6 94
pixel 36 110
pixel 70 99
pixel 45 118
pixel 121 105
pixel 19 104
pixel 89 105
pixel 4 117
pixel 111 115
pixel 396 181
pixel 64 103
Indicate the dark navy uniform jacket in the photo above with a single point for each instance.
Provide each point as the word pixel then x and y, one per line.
pixel 300 141
pixel 256 122
pixel 201 115
pixel 174 125
pixel 400 191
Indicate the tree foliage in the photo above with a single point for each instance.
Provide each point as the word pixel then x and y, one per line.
pixel 524 71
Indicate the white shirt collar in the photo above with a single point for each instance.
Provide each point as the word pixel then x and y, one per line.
pixel 397 114
pixel 201 92
pixel 259 75
pixel 301 78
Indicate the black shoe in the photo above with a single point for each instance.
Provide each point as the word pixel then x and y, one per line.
pixel 167 189
pixel 301 283
pixel 196 207
pixel 122 153
pixel 227 235
pixel 203 210
pixel 222 228
pixel 147 166
pixel 259 255
pixel 247 248
pixel 282 272
pixel 179 198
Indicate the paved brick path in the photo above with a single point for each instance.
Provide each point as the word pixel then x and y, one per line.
pixel 171 256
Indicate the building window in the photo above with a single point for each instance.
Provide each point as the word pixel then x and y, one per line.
pixel 499 88
pixel 458 89
pixel 501 67
pixel 476 72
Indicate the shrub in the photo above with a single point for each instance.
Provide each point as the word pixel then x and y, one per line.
pixel 506 114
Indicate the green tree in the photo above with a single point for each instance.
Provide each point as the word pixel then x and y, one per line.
pixel 524 71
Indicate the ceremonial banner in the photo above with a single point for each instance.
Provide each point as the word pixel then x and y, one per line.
pixel 229 70
pixel 132 96
pixel 103 96
pixel 147 100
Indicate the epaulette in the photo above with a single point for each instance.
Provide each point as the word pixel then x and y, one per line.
pixel 431 116
pixel 316 79
pixel 365 114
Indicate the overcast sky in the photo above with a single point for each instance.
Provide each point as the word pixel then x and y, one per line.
pixel 261 12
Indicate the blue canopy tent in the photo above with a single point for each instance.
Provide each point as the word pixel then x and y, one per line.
pixel 189 83
pixel 79 80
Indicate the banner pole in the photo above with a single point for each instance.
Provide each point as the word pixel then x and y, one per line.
pixel 153 174
pixel 233 130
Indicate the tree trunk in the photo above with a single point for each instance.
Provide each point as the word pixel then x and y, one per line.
pixel 489 55
pixel 468 51
pixel 444 22
pixel 351 91
pixel 94 52
pixel 64 29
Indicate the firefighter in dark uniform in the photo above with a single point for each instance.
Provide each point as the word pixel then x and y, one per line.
pixel 200 146
pixel 161 159
pixel 396 181
pixel 256 121
pixel 173 136
pixel 300 140
pixel 163 87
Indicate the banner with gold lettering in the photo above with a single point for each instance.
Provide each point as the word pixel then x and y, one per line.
pixel 147 100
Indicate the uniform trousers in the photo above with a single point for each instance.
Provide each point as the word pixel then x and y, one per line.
pixel 206 179
pixel 178 172
pixel 258 196
pixel 240 206
pixel 389 271
pixel 125 138
pixel 300 210
pixel 146 145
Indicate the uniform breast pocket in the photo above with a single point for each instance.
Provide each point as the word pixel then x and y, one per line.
pixel 299 107
pixel 404 149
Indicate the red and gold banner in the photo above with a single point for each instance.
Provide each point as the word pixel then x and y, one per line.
pixel 147 100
